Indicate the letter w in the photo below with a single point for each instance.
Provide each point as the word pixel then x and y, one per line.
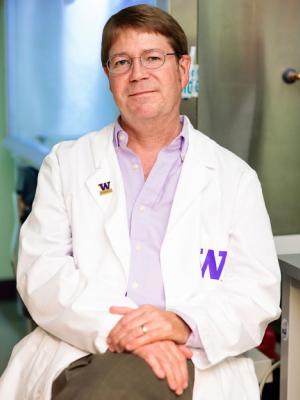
pixel 104 186
pixel 210 262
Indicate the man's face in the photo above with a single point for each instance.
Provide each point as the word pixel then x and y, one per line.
pixel 143 93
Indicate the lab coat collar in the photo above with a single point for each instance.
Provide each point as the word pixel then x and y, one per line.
pixel 112 203
pixel 198 171
pixel 202 149
pixel 101 144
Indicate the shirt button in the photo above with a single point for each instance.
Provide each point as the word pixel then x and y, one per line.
pixel 142 208
pixel 135 285
pixel 122 137
pixel 135 166
pixel 138 247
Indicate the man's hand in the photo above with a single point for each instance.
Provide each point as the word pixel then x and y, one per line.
pixel 144 325
pixel 167 360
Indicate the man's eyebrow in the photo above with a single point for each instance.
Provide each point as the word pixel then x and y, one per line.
pixel 123 53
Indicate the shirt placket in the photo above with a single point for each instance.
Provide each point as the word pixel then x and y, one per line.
pixel 145 283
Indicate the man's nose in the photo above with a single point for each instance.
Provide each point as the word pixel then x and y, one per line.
pixel 137 70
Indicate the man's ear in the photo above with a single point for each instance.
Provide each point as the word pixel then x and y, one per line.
pixel 184 69
pixel 105 69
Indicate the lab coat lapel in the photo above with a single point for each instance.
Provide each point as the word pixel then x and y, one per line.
pixel 102 176
pixel 197 172
pixel 105 185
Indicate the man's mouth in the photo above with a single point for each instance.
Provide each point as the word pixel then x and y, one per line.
pixel 141 92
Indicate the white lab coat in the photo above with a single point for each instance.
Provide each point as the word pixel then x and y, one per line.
pixel 75 255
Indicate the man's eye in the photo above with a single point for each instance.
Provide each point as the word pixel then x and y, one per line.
pixel 151 59
pixel 121 62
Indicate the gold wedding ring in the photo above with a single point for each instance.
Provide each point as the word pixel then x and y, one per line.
pixel 144 329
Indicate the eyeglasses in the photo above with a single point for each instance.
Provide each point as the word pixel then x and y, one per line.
pixel 152 59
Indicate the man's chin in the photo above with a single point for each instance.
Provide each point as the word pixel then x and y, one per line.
pixel 145 113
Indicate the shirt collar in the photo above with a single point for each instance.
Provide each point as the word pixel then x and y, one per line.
pixel 120 137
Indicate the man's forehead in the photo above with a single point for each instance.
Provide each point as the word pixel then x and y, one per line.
pixel 125 39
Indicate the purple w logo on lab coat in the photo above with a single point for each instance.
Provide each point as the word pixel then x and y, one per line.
pixel 104 186
pixel 211 263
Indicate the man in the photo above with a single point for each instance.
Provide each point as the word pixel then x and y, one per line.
pixel 148 260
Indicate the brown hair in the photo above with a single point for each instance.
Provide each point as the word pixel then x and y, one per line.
pixel 146 19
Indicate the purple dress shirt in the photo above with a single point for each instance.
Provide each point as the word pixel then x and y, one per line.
pixel 148 208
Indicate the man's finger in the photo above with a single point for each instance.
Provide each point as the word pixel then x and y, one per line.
pixel 186 351
pixel 152 334
pixel 126 331
pixel 125 323
pixel 133 319
pixel 153 362
pixel 170 365
pixel 182 368
pixel 120 310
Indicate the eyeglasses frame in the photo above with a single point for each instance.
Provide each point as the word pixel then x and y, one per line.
pixel 140 57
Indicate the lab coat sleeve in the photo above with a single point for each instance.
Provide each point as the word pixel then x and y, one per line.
pixel 233 315
pixel 59 296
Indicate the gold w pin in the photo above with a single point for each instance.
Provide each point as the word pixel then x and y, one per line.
pixel 104 188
